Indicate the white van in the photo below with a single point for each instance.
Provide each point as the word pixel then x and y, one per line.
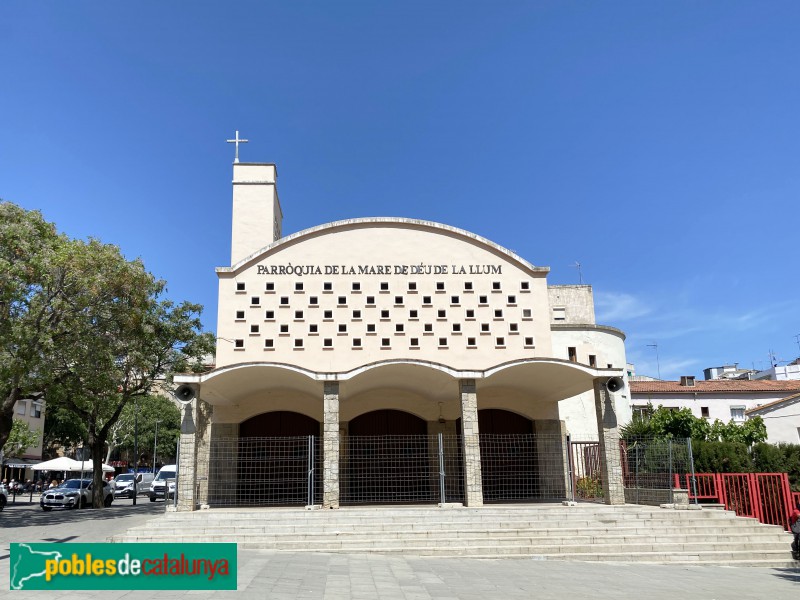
pixel 123 484
pixel 158 487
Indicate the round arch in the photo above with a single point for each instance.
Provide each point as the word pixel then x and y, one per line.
pixel 387 422
pixel 279 423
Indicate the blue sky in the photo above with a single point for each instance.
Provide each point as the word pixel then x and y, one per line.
pixel 654 142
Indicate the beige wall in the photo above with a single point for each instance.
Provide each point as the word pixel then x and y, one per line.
pixel 500 282
pixel 24 411
pixel 257 216
pixel 571 304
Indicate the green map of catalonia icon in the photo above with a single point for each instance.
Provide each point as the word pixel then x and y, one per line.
pixel 27 564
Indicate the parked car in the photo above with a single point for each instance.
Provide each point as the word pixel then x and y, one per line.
pixel 165 477
pixel 123 484
pixel 3 496
pixel 74 493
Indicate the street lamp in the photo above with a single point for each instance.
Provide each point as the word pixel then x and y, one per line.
pixel 135 448
pixel 155 445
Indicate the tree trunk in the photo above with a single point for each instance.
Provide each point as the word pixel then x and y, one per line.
pixel 96 446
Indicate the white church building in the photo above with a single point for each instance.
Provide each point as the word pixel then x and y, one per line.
pixel 391 360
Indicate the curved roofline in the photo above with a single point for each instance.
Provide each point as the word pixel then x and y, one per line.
pixel 346 375
pixel 587 327
pixel 388 221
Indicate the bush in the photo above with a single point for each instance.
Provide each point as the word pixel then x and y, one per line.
pixel 768 458
pixel 721 457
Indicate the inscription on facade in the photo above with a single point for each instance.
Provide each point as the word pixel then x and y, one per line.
pixel 420 269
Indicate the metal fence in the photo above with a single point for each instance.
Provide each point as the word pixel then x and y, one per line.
pixel 763 496
pixel 391 469
pixel 523 467
pixel 420 469
pixel 647 466
pixel 265 471
pixel 584 460
pixel 397 469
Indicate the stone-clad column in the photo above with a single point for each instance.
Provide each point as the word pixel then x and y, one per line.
pixel 608 431
pixel 187 459
pixel 473 485
pixel 330 445
pixel 203 416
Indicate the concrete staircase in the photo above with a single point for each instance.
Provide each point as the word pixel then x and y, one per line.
pixel 586 532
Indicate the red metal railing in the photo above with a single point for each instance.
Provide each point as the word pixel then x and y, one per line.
pixel 763 496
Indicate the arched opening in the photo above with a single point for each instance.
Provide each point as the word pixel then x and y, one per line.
pixel 279 423
pixel 386 459
pixel 509 458
pixel 275 452
pixel 387 422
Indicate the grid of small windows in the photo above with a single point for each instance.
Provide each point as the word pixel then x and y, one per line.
pixel 488 314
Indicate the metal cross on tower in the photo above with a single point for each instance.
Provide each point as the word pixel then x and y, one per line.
pixel 237 140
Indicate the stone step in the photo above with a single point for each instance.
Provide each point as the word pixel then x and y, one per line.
pixel 772 558
pixel 512 520
pixel 531 545
pixel 648 529
pixel 546 532
pixel 654 533
pixel 443 514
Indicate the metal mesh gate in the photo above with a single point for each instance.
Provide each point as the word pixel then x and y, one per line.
pixel 396 469
pixel 388 469
pixel 265 471
pixel 519 467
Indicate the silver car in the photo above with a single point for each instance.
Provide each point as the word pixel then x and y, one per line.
pixel 73 493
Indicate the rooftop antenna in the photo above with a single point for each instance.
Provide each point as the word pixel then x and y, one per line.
pixel 658 362
pixel 773 360
pixel 797 339
pixel 577 265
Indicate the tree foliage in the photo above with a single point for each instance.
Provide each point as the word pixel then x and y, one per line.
pixel 719 447
pixel 681 423
pixel 151 409
pixel 110 334
pixel 31 281
pixel 20 438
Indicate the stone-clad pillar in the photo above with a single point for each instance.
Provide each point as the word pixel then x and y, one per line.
pixel 203 416
pixel 187 459
pixel 330 445
pixel 473 485
pixel 608 431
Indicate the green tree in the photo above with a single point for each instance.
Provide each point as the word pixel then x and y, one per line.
pixel 666 423
pixel 85 326
pixel 62 429
pixel 20 438
pixel 151 409
pixel 752 431
pixel 31 281
pixel 119 343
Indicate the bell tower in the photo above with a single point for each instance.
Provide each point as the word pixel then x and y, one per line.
pixel 257 215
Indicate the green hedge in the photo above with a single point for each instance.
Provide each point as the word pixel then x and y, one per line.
pixel 734 457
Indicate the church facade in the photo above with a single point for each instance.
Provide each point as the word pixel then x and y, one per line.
pixel 381 360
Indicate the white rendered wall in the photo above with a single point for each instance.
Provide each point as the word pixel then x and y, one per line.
pixel 783 422
pixel 719 404
pixel 578 412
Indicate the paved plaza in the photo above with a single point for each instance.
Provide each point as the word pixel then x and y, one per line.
pixel 285 575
